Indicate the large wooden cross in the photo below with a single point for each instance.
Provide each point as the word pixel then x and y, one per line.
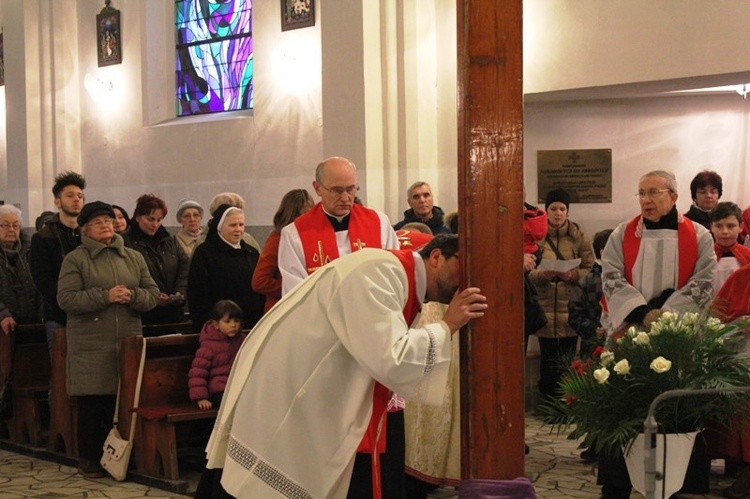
pixel 490 192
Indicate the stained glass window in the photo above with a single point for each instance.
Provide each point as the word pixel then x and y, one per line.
pixel 214 56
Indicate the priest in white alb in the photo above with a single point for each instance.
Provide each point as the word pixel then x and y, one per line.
pixel 300 394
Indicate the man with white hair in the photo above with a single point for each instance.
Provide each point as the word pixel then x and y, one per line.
pixel 658 261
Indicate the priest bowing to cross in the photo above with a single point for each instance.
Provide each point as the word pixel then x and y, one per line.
pixel 300 395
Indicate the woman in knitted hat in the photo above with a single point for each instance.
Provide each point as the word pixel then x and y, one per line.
pixel 189 215
pixel 564 241
pixel 222 269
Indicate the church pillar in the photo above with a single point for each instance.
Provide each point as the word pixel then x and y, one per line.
pixel 42 99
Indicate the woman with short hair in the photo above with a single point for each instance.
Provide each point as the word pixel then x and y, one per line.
pixel 167 262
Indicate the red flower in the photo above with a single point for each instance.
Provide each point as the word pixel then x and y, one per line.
pixel 578 367
pixel 597 352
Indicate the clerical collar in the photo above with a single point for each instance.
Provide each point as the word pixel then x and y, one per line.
pixel 420 277
pixel 668 221
pixel 339 223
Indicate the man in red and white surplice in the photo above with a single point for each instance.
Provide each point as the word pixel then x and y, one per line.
pixel 334 227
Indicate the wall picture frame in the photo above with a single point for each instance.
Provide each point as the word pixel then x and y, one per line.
pixel 297 14
pixel 108 36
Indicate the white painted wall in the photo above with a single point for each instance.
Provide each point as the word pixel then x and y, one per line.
pixel 681 134
pixel 590 43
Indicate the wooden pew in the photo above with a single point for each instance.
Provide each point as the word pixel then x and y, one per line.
pixel 165 329
pixel 167 417
pixel 63 413
pixel 30 374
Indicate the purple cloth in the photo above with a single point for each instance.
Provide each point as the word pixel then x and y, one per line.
pixel 518 488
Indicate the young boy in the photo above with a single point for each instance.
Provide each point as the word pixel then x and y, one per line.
pixel 584 307
pixel 726 225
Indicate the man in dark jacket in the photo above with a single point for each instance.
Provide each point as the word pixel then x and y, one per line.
pixel 56 239
pixel 421 209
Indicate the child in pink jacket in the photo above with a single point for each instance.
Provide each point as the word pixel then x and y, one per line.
pixel 220 340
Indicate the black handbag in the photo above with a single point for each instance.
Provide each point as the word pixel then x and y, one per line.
pixel 534 317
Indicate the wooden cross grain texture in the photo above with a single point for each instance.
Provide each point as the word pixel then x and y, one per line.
pixel 490 190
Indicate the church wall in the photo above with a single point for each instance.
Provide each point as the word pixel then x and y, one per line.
pixel 681 134
pixel 572 44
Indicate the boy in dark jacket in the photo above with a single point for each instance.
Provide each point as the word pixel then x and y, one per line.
pixel 584 306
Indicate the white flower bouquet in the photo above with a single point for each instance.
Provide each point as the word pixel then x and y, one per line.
pixel 605 399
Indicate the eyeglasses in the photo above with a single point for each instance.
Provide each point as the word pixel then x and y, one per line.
pixel 651 193
pixel 100 222
pixel 7 226
pixel 338 191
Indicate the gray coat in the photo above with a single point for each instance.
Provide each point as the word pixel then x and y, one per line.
pixel 95 326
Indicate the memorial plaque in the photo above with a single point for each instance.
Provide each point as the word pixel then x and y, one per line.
pixel 585 173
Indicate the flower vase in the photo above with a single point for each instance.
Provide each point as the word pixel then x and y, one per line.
pixel 678 447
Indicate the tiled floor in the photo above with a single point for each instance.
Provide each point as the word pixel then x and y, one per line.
pixel 552 465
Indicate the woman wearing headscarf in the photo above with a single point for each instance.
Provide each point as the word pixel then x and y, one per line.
pixel 222 269
pixel 104 288
pixel 189 216
pixel 167 262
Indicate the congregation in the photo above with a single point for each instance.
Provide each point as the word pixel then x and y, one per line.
pixel 102 275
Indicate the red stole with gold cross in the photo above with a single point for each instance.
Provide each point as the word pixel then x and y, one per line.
pixel 319 239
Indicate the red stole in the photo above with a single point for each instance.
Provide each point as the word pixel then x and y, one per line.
pixel 375 434
pixel 687 243
pixel 319 239
pixel 741 253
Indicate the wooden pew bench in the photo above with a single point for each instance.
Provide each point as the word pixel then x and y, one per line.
pixel 30 377
pixel 168 421
pixel 63 408
pixel 154 330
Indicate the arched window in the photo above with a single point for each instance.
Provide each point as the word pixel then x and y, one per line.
pixel 214 56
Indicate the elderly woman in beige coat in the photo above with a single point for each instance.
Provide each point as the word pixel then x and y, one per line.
pixel 104 287
pixel 565 241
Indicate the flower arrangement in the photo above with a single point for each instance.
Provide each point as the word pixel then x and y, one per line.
pixel 606 399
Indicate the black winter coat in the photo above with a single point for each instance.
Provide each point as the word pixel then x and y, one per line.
pixel 168 265
pixel 221 272
pixel 18 295
pixel 48 248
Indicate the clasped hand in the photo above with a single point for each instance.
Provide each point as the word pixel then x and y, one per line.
pixel 465 305
pixel 120 294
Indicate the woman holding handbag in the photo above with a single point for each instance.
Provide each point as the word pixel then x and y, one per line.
pixel 104 287
pixel 564 241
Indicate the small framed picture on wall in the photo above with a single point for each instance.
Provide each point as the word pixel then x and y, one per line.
pixel 108 36
pixel 297 14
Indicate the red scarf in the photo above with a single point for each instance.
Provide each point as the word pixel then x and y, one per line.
pixel 373 441
pixel 319 239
